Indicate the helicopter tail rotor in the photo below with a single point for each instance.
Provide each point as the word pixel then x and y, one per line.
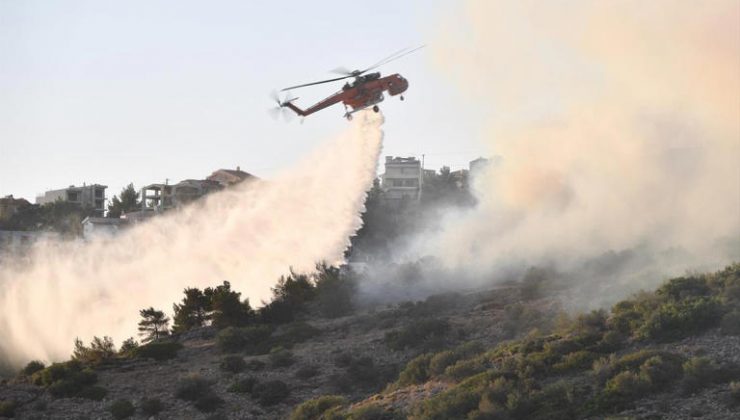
pixel 280 109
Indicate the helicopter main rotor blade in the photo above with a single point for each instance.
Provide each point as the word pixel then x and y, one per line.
pixel 342 70
pixel 315 83
pixel 392 57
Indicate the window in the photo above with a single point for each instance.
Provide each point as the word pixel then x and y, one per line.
pixel 73 196
pixel 397 182
pixel 410 182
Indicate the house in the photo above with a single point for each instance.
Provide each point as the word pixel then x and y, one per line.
pixel 402 178
pixel 86 196
pixel 160 197
pixel 10 206
pixel 229 177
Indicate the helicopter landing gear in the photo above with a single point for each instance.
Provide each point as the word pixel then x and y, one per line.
pixel 401 98
pixel 376 108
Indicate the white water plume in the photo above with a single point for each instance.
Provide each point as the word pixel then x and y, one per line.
pixel 249 235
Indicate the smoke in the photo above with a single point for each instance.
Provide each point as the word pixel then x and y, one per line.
pixel 618 124
pixel 250 235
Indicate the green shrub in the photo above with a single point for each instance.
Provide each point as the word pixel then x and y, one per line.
pixel 603 368
pixel 233 364
pixel 416 371
pixel 674 320
pixel 454 403
pixel 622 389
pixel 32 367
pixel 578 360
pixel 192 387
pixel 270 392
pixel 151 406
pixel 306 372
pixel 233 339
pixel 297 332
pixel 121 409
pixel 69 379
pixel 95 393
pixel 440 361
pixel 243 385
pixel 661 372
pixel 158 350
pixel 363 372
pixel 7 408
pixel 279 357
pixel 315 408
pixel 518 319
pixel 426 333
pixel 465 368
pixel 371 412
pixel 730 324
pixel 684 287
pixel 208 402
pixel 698 372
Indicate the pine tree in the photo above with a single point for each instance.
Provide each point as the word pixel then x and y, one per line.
pixel 153 326
pixel 129 201
pixel 228 309
pixel 194 311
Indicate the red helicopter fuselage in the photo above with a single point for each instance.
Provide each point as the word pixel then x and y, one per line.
pixel 365 91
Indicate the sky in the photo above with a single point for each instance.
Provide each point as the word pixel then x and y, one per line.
pixel 114 92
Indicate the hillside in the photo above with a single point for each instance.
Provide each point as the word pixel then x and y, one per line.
pixel 499 353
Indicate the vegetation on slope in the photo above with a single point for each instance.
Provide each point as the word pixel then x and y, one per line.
pixel 596 364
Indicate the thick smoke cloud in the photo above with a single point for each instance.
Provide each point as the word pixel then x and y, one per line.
pixel 249 235
pixel 618 124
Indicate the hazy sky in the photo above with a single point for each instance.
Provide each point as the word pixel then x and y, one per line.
pixel 142 91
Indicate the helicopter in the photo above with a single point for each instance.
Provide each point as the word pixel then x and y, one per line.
pixel 366 90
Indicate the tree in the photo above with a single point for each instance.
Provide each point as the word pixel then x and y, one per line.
pixel 228 309
pixel 153 326
pixel 100 349
pixel 334 291
pixel 194 311
pixel 128 202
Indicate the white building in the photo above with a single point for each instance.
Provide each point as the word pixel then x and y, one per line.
pixel 402 178
pixel 86 196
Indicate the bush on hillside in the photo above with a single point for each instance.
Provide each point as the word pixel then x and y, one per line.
pixel 151 406
pixel 243 385
pixel 233 364
pixel 270 392
pixel 121 409
pixel 233 339
pixel 426 334
pixel 32 367
pixel 279 357
pixel 307 372
pixel 730 324
pixel 416 371
pixel 674 320
pixel 68 379
pixel 7 408
pixel 192 387
pixel 315 408
pixel 698 372
pixel 208 402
